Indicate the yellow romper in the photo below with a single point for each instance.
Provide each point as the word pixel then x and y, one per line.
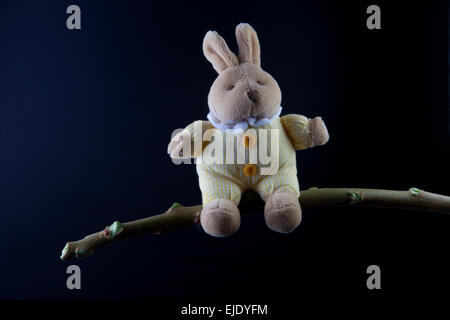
pixel 228 181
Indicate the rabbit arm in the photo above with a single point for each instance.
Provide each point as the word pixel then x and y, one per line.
pixel 189 142
pixel 303 132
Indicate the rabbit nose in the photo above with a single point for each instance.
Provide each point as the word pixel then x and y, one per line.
pixel 253 95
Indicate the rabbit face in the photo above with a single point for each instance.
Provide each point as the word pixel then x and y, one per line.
pixel 242 89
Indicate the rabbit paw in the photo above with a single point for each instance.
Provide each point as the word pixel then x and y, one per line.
pixel 220 218
pixel 177 145
pixel 319 132
pixel 282 211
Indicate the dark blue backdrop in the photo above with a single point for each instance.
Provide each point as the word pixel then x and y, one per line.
pixel 85 118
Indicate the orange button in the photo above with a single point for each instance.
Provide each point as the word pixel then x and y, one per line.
pixel 250 170
pixel 249 140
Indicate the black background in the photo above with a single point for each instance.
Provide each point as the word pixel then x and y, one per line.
pixel 85 118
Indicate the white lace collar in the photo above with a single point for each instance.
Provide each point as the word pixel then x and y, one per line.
pixel 240 127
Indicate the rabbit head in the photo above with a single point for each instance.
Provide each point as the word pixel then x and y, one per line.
pixel 242 89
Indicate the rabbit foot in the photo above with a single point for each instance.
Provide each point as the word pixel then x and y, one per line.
pixel 282 211
pixel 220 218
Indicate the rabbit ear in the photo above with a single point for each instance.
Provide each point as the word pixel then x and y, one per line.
pixel 217 52
pixel 248 43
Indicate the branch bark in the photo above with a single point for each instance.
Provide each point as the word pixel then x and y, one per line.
pixel 178 216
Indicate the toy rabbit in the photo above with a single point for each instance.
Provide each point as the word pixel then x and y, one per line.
pixel 244 98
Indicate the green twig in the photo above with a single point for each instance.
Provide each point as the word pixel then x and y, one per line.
pixel 178 216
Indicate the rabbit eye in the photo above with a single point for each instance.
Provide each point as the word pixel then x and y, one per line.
pixel 230 87
pixel 260 82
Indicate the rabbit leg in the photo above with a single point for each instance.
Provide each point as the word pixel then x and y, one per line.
pixel 282 211
pixel 220 218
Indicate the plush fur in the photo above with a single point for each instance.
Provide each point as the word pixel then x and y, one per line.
pixel 282 212
pixel 217 52
pixel 248 44
pixel 220 218
pixel 319 132
pixel 242 90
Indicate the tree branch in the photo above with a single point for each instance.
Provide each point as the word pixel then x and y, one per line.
pixel 178 216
